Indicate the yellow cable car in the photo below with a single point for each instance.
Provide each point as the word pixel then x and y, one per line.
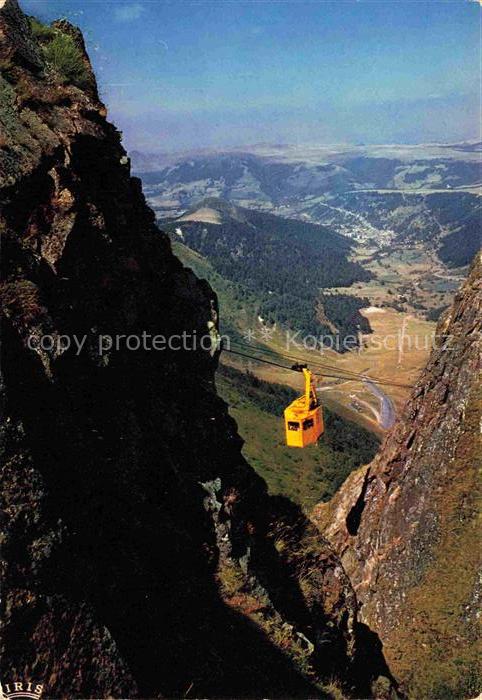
pixel 304 416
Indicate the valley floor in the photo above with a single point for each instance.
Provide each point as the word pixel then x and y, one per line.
pixel 395 352
pixel 410 278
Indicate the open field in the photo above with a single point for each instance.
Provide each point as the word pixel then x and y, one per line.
pixel 411 278
pixel 471 189
pixel 204 214
pixel 396 351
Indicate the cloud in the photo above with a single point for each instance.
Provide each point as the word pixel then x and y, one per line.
pixel 128 13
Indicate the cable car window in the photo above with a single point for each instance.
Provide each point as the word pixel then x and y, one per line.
pixel 308 423
pixel 292 425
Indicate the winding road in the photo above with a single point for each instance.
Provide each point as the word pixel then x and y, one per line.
pixel 387 409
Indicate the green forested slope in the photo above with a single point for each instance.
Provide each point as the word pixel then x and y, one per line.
pixel 305 475
pixel 279 263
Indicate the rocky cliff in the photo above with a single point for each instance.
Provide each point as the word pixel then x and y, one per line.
pixel 142 556
pixel 405 526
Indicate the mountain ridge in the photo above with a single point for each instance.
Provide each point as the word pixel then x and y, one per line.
pixel 142 556
pixel 383 202
pixel 284 262
pixel 405 525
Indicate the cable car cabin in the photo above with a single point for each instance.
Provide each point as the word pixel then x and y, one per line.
pixel 304 416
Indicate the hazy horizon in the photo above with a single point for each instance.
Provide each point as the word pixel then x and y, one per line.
pixel 251 147
pixel 211 75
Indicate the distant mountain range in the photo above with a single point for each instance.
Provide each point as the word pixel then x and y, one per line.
pixel 375 194
pixel 276 173
pixel 143 161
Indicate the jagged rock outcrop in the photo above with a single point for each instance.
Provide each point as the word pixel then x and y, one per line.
pixel 141 553
pixel 406 527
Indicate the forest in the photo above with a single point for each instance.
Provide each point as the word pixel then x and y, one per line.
pixel 285 263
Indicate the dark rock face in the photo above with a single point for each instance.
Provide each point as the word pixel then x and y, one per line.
pixel 15 38
pixel 405 526
pixel 126 497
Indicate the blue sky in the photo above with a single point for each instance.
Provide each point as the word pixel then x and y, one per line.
pixel 191 74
